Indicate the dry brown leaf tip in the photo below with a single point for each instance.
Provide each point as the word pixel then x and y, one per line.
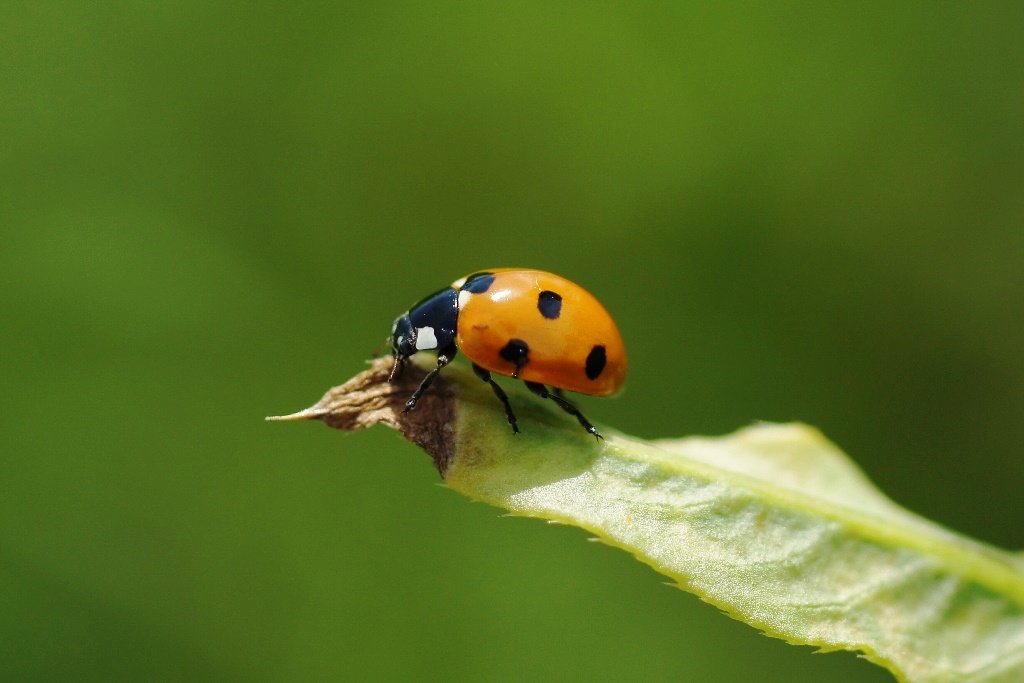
pixel 368 399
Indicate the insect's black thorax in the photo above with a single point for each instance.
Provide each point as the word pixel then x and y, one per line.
pixel 430 324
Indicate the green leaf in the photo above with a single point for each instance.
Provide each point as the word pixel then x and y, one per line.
pixel 773 524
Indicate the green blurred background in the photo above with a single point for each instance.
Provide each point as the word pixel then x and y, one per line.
pixel 212 212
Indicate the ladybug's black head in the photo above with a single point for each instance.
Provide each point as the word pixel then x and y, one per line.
pixel 428 325
pixel 403 337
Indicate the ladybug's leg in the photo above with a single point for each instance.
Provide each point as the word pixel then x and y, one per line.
pixel 500 393
pixel 542 391
pixel 444 357
pixel 396 369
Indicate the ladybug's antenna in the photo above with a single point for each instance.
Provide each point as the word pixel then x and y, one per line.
pixel 378 350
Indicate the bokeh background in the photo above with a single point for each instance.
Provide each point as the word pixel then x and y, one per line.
pixel 211 212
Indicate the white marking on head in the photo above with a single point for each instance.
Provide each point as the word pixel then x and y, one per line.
pixel 458 283
pixel 463 298
pixel 425 338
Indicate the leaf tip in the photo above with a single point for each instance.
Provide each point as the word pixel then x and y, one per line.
pixel 370 398
pixel 311 413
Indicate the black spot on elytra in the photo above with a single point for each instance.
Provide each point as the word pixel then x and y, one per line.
pixel 549 304
pixel 478 283
pixel 596 361
pixel 516 352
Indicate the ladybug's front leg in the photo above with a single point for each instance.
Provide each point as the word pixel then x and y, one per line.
pixel 396 369
pixel 444 357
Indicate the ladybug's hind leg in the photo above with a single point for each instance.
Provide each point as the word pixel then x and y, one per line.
pixel 444 357
pixel 500 393
pixel 542 391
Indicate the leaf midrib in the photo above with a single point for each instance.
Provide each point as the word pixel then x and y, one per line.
pixel 960 556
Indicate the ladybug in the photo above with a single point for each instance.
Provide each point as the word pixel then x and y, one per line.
pixel 526 324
